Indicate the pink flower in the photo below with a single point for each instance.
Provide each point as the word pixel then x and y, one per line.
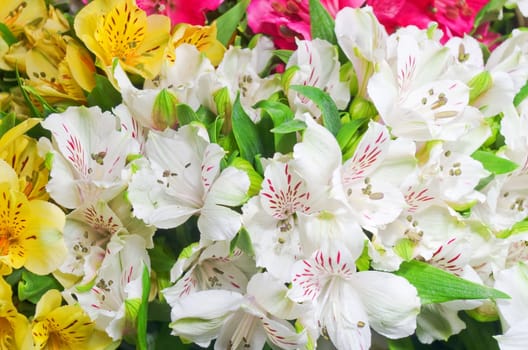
pixel 454 17
pixel 285 20
pixel 180 11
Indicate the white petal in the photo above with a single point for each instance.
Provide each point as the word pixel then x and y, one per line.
pixel 515 338
pixel 392 311
pixel 218 223
pixel 200 316
pixel 230 188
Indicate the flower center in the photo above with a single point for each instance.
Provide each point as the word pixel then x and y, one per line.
pixel 122 31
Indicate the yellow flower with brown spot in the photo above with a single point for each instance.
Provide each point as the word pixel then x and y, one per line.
pixel 14 327
pixel 16 14
pixel 30 230
pixel 120 29
pixel 65 327
pixel 202 37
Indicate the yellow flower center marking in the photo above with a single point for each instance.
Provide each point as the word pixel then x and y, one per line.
pixel 6 334
pixel 122 31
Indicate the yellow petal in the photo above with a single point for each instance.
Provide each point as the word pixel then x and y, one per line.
pixel 42 241
pixel 81 65
pixel 17 131
pixel 51 300
pixel 203 38
pixel 17 13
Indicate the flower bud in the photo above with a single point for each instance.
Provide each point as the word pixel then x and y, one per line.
pixel 164 111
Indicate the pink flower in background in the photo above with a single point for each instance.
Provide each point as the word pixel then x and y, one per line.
pixel 454 17
pixel 284 20
pixel 180 11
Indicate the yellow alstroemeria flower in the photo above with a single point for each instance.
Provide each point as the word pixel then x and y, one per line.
pixel 65 327
pixel 22 154
pixel 15 14
pixel 120 29
pixel 59 69
pixel 30 230
pixel 202 37
pixel 14 327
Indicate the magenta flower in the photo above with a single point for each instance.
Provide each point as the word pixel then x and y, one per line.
pixel 285 20
pixel 454 17
pixel 180 11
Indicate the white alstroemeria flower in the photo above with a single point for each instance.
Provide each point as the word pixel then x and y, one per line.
pixel 318 66
pixel 183 178
pixel 511 57
pixel 455 175
pixel 467 63
pixel 347 303
pixel 181 80
pixel 376 201
pixel 89 156
pixel 210 267
pixel 415 100
pixel 514 282
pixel 270 218
pixel 236 320
pixel 239 71
pixel 363 40
pixel 90 228
pixel 118 283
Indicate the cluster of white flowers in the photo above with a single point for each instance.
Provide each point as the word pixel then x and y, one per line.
pixel 414 182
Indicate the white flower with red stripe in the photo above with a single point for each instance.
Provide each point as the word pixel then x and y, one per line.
pixel 376 201
pixel 239 320
pixel 183 178
pixel 347 303
pixel 90 154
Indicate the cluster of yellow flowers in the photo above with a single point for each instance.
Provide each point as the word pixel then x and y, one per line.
pixel 48 60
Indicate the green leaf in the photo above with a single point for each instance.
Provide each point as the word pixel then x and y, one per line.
pixel 31 286
pixel 34 111
pixel 492 5
pixel 517 228
pixel 7 121
pixel 325 103
pixel 143 310
pixel 279 113
pixel 161 258
pixel 229 21
pixel 283 55
pixel 494 163
pixel 6 34
pixel 521 95
pixel 437 286
pixel 321 23
pixel 289 127
pixel 245 132
pixel 400 344
pixel 103 94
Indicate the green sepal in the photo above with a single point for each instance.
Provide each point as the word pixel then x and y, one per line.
pixel 405 249
pixel 479 84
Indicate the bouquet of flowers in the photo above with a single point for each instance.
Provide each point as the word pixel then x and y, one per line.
pixel 285 174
